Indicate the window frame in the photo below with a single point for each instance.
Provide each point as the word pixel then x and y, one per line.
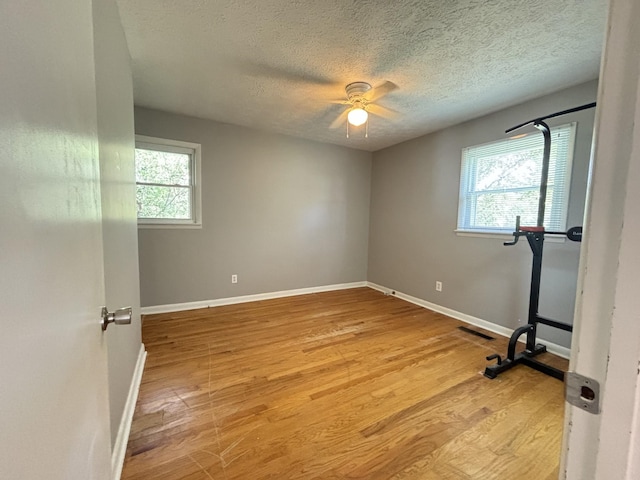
pixel 165 145
pixel 466 230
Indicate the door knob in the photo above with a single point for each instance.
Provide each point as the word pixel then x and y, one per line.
pixel 122 316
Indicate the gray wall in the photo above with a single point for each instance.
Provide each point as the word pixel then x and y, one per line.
pixel 281 213
pixel 414 202
pixel 114 94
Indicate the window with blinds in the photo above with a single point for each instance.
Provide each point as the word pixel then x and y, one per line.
pixel 501 180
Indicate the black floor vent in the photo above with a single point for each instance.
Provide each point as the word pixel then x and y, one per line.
pixel 479 334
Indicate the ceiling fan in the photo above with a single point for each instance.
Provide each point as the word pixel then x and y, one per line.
pixel 360 99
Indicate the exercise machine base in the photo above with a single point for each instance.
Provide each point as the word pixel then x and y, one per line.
pixel 525 357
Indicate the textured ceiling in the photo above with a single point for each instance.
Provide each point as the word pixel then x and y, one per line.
pixel 276 65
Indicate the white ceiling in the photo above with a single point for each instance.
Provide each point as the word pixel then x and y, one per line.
pixel 276 65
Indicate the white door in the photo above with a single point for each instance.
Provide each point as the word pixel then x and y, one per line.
pixel 606 342
pixel 54 410
pixel 114 93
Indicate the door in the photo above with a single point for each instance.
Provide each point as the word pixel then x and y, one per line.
pixel 606 342
pixel 54 410
pixel 114 93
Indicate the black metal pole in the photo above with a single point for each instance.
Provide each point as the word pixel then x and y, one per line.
pixel 544 175
pixel 536 242
pixel 557 114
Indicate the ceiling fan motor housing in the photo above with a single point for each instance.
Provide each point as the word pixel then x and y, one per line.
pixel 356 90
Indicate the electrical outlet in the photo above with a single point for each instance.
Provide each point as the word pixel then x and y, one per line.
pixel 438 286
pixel 234 278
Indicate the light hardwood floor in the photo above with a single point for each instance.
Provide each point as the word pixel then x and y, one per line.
pixel 339 385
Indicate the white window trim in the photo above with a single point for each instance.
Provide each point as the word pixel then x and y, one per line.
pixel 502 233
pixel 196 191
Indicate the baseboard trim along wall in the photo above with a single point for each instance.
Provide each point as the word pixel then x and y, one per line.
pixel 554 348
pixel 120 447
pixel 177 307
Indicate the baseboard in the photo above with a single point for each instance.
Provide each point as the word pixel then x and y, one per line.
pixel 177 307
pixel 554 348
pixel 120 447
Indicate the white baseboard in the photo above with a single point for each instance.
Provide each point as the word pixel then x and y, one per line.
pixel 120 447
pixel 554 348
pixel 177 307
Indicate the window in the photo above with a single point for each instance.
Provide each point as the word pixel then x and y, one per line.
pixel 500 180
pixel 167 176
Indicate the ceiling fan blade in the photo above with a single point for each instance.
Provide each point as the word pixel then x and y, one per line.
pixel 380 91
pixel 382 111
pixel 340 120
pixel 275 72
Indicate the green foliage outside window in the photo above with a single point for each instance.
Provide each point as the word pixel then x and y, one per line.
pixel 163 184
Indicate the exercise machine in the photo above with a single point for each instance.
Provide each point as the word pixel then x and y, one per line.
pixel 535 236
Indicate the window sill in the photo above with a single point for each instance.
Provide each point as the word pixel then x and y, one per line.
pixel 171 226
pixel 504 236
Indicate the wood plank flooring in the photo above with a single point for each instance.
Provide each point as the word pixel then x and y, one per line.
pixel 350 384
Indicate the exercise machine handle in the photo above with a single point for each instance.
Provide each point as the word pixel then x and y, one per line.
pixel 574 233
pixel 516 234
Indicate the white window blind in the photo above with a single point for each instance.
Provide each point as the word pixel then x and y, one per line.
pixel 500 180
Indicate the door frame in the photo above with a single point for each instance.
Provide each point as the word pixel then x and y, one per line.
pixel 606 341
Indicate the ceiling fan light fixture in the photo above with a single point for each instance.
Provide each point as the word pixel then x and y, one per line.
pixel 357 116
